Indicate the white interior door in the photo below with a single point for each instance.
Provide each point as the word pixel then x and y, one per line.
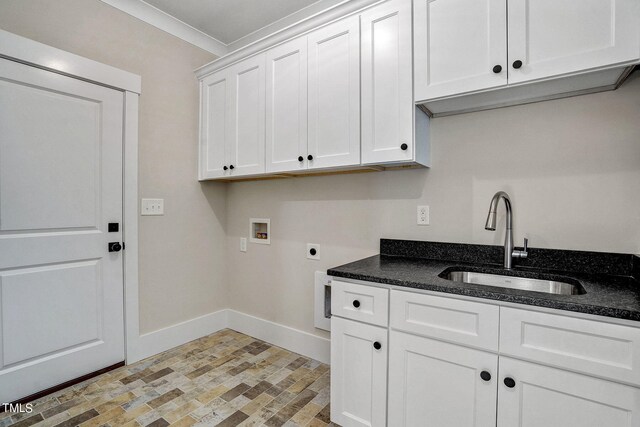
pixel 61 291
pixel 432 383
pixel 287 106
pixel 245 146
pixel 554 37
pixel 334 94
pixel 549 397
pixel 460 46
pixel 387 89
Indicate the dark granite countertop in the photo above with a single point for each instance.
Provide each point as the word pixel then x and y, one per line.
pixel 610 280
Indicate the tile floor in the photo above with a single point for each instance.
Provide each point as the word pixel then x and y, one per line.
pixel 224 379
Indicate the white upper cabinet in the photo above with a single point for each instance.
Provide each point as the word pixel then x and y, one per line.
pixel 213 125
pixel 286 107
pixel 232 121
pixel 553 37
pixel 478 54
pixel 334 95
pixel 245 144
pixel 387 95
pixel 461 46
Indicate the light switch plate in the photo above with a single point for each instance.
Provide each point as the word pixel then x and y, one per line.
pixel 152 207
pixel 243 244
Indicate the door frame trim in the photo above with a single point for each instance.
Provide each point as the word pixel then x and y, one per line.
pixel 20 49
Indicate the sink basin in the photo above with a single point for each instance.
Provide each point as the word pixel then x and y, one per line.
pixel 514 282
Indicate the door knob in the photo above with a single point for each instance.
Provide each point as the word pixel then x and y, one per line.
pixel 517 64
pixel 497 69
pixel 485 375
pixel 356 303
pixel 300 158
pixel 377 345
pixel 510 382
pixel 115 246
pixel 309 157
pixel 403 147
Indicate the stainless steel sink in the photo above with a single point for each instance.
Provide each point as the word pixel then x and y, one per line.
pixel 512 282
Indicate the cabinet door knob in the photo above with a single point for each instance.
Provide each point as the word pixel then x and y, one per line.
pixel 225 168
pixel 517 64
pixel 356 303
pixel 377 345
pixel 403 147
pixel 309 157
pixel 231 167
pixel 497 69
pixel 485 375
pixel 300 158
pixel 510 382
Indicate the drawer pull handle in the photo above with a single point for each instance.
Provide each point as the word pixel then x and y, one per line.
pixel 356 303
pixel 510 382
pixel 486 376
pixel 377 345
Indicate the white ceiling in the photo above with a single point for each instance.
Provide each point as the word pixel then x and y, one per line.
pixel 230 20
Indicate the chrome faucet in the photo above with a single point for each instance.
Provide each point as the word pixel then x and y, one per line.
pixel 509 251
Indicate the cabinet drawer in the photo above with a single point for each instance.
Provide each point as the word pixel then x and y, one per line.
pixel 463 322
pixel 359 302
pixel 597 348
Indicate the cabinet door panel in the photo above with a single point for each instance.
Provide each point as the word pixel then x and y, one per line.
pixel 214 125
pixel 553 37
pixel 457 45
pixel 436 384
pixel 334 94
pixel 287 106
pixel 550 397
pixel 358 374
pixel 387 98
pixel 247 108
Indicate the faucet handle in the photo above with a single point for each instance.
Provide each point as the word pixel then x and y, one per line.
pixel 522 253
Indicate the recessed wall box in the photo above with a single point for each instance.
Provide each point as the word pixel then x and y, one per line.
pixel 260 231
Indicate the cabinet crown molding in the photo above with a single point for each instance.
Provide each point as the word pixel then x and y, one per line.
pixel 339 11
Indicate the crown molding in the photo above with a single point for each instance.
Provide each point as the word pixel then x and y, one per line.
pixel 165 22
pixel 301 27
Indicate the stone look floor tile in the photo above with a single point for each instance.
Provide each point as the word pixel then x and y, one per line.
pixel 226 379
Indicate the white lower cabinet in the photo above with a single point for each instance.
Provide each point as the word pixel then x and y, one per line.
pixel 579 371
pixel 549 397
pixel 436 384
pixel 358 373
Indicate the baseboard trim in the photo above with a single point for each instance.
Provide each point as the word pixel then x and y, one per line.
pixel 291 339
pixel 172 336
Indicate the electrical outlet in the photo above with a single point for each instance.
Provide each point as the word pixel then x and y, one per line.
pixel 243 244
pixel 152 207
pixel 423 215
pixel 313 251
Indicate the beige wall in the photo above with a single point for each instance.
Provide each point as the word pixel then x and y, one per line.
pixel 571 166
pixel 181 254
